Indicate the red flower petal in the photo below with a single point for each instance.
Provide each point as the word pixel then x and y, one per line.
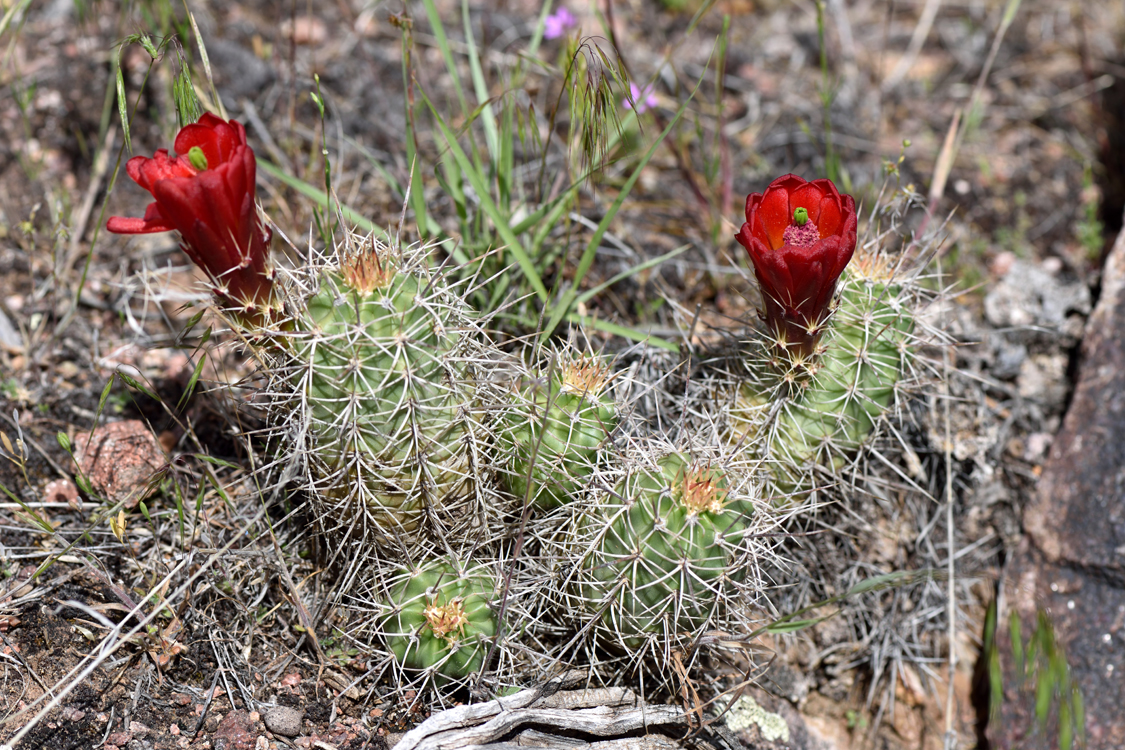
pixel 131 225
pixel 153 221
pixel 773 212
pixel 217 139
pixel 831 216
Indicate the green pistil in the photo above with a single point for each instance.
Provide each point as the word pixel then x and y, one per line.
pixel 800 217
pixel 197 158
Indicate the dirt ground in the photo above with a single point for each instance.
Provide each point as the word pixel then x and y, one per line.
pixel 1030 199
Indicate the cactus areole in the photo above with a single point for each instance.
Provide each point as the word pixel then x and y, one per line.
pixel 800 235
pixel 207 193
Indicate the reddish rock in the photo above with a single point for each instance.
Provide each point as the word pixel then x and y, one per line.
pixel 1072 564
pixel 235 732
pixel 61 491
pixel 119 459
pixel 73 714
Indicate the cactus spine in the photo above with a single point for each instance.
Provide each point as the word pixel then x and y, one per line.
pixel 662 552
pixel 554 434
pixel 441 619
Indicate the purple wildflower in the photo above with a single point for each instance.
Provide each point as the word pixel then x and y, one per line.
pixel 558 23
pixel 645 98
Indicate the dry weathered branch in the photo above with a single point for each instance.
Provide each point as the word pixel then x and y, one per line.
pixel 550 716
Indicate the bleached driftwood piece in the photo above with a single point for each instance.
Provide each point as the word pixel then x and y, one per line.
pixel 558 716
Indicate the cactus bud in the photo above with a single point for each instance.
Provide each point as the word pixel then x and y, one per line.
pixel 441 619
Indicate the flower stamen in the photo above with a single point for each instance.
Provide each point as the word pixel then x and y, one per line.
pixel 802 232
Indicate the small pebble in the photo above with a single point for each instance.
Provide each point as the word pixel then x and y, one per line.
pixel 284 720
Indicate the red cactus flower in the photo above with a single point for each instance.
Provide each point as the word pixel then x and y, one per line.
pixel 800 236
pixel 207 194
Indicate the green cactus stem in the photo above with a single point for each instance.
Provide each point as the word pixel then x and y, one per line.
pixel 554 433
pixel 663 549
pixel 828 405
pixel 441 619
pixel 380 368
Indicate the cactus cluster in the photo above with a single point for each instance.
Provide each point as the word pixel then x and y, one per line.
pixel 426 468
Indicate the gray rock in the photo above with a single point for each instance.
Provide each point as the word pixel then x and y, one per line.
pixel 239 72
pixel 1029 296
pixel 283 720
pixel 1009 356
pixel 1078 516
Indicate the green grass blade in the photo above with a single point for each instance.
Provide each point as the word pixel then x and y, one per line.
pixel 552 210
pixel 1015 634
pixel 1066 727
pixel 415 188
pixel 505 164
pixel 122 102
pixel 552 219
pixel 476 179
pixel 537 35
pixel 630 272
pixel 137 385
pixel 1079 713
pixel 633 334
pixel 792 626
pixel 203 58
pixel 105 394
pixel 480 88
pixel 192 382
pixel 446 53
pixel 563 306
pixel 877 583
pixel 16 8
pixel 451 65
